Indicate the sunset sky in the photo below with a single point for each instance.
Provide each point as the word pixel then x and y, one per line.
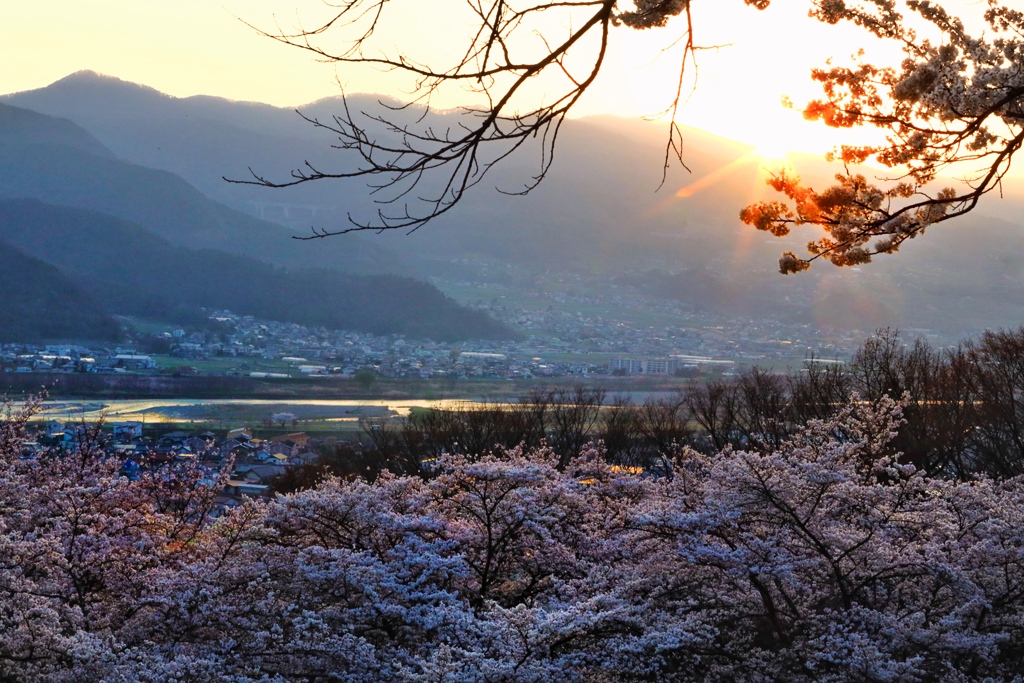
pixel 199 47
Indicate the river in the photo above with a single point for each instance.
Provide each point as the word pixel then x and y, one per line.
pixel 209 410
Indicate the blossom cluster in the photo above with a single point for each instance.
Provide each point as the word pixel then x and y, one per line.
pixel 952 107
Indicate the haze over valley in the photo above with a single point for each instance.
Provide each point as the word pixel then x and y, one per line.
pixel 140 177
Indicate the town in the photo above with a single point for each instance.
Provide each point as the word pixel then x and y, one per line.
pixel 554 344
pixel 240 463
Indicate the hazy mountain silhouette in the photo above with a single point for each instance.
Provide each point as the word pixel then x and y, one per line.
pixel 61 163
pixel 199 138
pixel 600 207
pixel 600 210
pixel 134 272
pixel 31 128
pixel 599 204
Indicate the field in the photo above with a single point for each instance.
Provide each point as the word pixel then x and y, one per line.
pixel 227 364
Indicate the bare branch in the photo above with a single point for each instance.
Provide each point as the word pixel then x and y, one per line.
pixel 420 170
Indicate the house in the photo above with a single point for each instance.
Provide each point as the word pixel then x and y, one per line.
pixel 75 433
pixel 177 438
pixel 197 444
pixel 307 458
pixel 237 488
pixel 164 453
pixel 296 438
pixel 236 448
pixel 126 431
pixel 272 458
pixel 134 361
pixel 281 448
pixel 263 474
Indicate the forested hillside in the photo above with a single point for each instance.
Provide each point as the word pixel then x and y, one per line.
pixel 42 303
pixel 131 271
pixel 144 242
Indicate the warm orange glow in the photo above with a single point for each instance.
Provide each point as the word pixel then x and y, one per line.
pixel 715 176
pixel 195 47
pixel 735 90
pixel 772 153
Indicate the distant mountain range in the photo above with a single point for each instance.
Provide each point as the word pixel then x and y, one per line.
pixel 598 212
pixel 60 162
pixel 599 204
pixel 126 239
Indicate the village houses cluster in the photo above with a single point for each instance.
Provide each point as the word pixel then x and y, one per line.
pixel 274 350
pixel 252 464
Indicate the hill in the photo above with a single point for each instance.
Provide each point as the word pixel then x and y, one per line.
pixel 30 128
pixel 134 272
pixel 598 209
pixel 41 304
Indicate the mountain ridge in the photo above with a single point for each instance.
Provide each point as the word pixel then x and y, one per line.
pixel 600 211
pixel 160 200
pixel 135 272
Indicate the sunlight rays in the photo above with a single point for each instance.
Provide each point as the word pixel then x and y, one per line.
pixel 769 156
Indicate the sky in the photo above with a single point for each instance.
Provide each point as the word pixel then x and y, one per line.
pixel 193 47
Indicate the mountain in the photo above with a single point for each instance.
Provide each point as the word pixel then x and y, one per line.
pixel 599 207
pixel 60 163
pixel 41 304
pixel 599 212
pixel 30 128
pixel 134 272
pixel 198 138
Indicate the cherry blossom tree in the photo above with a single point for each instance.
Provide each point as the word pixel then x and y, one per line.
pixel 824 557
pixel 953 107
pixel 81 548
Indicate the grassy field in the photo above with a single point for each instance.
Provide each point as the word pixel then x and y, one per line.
pixel 226 364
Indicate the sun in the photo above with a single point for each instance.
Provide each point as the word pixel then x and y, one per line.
pixel 771 151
